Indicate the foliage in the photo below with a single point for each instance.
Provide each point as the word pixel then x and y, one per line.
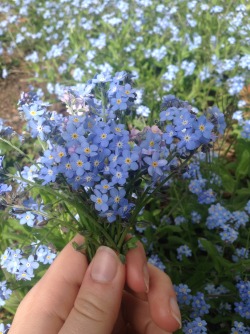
pixel 195 226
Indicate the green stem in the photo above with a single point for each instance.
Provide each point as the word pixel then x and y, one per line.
pixel 15 147
pixel 122 238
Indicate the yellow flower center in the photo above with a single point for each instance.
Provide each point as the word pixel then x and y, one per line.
pixel 117 199
pixel 87 150
pixel 99 200
pixel 79 163
pixel 74 135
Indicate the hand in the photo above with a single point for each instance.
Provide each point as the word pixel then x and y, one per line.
pixel 75 297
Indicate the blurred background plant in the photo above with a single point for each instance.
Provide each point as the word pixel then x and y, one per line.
pixel 198 229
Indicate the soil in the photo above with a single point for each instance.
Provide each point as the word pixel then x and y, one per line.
pixel 10 91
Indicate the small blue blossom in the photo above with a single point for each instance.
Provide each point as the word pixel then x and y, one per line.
pixel 100 200
pixel 183 250
pixel 155 260
pixel 228 234
pixel 203 127
pixel 199 305
pixel 188 140
pixel 155 164
pixel 197 326
pixel 4 328
pixel 239 328
pixel 26 269
pixel 128 160
pixel 119 102
pixel 45 255
pixel 119 175
pixel 5 293
pixel 183 293
pixel 27 218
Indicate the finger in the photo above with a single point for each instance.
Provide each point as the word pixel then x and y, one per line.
pixel 160 313
pixel 137 315
pixel 163 306
pixel 47 305
pixel 98 302
pixel 137 275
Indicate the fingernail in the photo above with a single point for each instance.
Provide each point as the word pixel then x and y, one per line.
pixel 175 311
pixel 146 277
pixel 104 265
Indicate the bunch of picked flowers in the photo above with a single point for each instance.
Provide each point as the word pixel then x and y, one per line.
pixel 96 167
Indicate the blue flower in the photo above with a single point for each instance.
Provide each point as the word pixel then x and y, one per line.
pixel 156 261
pixel 128 160
pixel 125 208
pixel 228 234
pixel 4 328
pixel 184 120
pixel 155 164
pixel 48 174
pixel 188 140
pixel 183 293
pixel 183 250
pixel 169 135
pixel 151 143
pixel 200 307
pixel 116 198
pixel 100 200
pixel 26 269
pixel 33 111
pixel 45 255
pixel 39 128
pixel 79 163
pixel 128 91
pixel 168 114
pixel 119 102
pixel 239 328
pixel 203 127
pixel 119 175
pixel 102 135
pixel 5 188
pixel 104 186
pixel 5 293
pixel 73 134
pixel 218 119
pixel 27 218
pixel 88 149
pixel 197 326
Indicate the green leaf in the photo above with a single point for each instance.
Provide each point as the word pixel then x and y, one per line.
pixel 212 252
pixel 228 183
pixel 243 166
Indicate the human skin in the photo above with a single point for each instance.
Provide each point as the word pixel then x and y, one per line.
pixel 101 297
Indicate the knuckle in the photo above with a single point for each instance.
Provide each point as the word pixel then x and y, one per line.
pixel 90 308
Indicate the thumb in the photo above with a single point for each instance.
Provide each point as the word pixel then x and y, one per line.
pixel 98 302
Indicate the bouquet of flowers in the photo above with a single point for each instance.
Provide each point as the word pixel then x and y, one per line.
pixel 96 166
